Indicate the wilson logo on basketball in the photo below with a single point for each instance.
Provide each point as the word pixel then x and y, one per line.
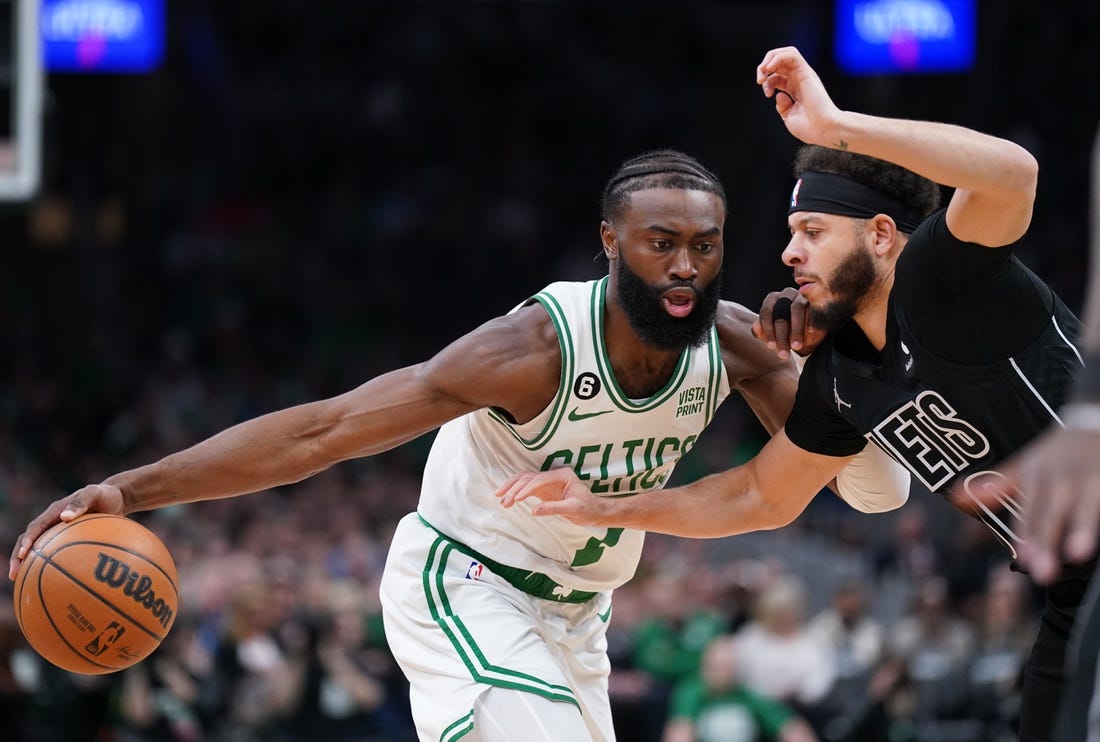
pixel 116 574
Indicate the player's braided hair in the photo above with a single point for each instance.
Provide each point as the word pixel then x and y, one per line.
pixel 905 186
pixel 663 168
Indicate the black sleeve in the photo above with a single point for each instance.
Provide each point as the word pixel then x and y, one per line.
pixel 813 424
pixel 965 302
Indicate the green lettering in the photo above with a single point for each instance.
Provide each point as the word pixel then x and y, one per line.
pixel 593 550
pixel 565 456
pixel 581 456
pixel 629 447
pixel 650 478
pixel 674 442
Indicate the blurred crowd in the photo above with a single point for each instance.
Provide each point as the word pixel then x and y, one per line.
pixel 297 201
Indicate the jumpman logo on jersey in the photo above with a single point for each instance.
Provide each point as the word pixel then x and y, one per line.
pixel 837 399
pixel 908 356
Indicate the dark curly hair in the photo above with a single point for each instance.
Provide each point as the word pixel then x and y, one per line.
pixel 905 186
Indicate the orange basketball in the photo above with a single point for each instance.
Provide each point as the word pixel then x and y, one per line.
pixel 97 594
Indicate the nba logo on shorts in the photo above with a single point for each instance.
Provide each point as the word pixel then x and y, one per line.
pixel 474 572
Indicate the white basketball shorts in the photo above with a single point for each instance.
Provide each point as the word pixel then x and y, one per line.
pixel 457 630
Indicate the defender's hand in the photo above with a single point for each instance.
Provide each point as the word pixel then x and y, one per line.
pixel 784 324
pixel 800 98
pixel 1057 478
pixel 561 492
pixel 95 498
pixel 1060 477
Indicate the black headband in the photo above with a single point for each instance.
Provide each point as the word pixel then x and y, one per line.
pixel 835 194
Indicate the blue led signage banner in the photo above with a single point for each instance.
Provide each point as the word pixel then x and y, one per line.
pixel 102 35
pixel 905 36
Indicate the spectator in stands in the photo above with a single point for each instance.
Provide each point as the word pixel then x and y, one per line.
pixel 712 705
pixel 777 655
pixel 167 697
pixel 855 640
pixel 670 638
pixel 936 647
pixel 1006 631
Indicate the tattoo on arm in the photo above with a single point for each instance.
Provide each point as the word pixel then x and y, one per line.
pixel 842 145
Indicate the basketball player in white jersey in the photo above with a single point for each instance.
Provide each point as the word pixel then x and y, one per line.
pixel 498 618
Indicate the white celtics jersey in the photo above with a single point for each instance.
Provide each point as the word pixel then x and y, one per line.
pixel 618 446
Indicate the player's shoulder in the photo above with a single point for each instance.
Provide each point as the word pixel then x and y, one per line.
pixel 534 317
pixel 518 341
pixel 734 324
pixel 525 329
pixel 734 317
pixel 930 241
pixel 567 291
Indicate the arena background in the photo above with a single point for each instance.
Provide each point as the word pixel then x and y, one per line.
pixel 305 195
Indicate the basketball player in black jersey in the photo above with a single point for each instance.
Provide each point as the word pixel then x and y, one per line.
pixel 1063 524
pixel 942 348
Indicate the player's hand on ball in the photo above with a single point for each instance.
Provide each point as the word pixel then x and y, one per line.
pixel 96 594
pixel 784 324
pixel 94 498
pixel 561 493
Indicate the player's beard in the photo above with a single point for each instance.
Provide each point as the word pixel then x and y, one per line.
pixel 644 309
pixel 851 282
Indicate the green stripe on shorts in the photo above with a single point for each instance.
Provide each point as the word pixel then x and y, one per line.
pixel 464 643
pixel 463 726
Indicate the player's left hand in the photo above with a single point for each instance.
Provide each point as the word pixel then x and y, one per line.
pixel 561 493
pixel 784 324
pixel 800 97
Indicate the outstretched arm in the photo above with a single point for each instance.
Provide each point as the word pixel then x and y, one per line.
pixel 512 362
pixel 768 492
pixel 994 179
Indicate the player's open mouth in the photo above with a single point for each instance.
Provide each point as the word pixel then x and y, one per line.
pixel 679 302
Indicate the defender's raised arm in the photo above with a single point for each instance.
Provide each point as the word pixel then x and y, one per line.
pixel 994 179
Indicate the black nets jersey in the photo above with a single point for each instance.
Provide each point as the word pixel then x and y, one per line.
pixel 980 355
